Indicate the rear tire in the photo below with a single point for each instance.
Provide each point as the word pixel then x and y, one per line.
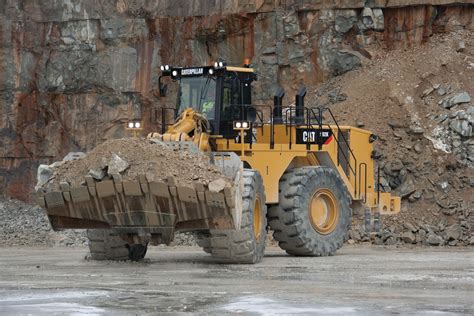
pixel 105 244
pixel 314 213
pixel 203 241
pixel 246 245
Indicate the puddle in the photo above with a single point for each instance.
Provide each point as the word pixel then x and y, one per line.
pixel 46 302
pixel 265 306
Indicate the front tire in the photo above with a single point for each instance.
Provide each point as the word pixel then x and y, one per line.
pixel 246 245
pixel 314 213
pixel 105 244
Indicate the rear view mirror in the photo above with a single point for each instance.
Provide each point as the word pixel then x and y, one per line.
pixel 251 114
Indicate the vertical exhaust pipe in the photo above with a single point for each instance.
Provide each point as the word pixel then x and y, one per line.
pixel 299 113
pixel 278 106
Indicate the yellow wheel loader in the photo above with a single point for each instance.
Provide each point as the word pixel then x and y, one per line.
pixel 295 171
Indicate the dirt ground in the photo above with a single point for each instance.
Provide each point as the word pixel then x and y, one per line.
pixel 358 280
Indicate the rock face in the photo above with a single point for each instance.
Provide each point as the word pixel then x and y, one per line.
pixel 74 72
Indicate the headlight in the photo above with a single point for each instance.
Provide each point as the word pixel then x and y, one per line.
pixel 130 125
pixel 162 68
pixel 137 124
pixel 245 124
pixel 216 64
pixel 238 125
pixel 211 71
pixel 167 67
pixel 221 64
pixel 175 73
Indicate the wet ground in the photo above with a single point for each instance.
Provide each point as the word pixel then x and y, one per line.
pixel 358 280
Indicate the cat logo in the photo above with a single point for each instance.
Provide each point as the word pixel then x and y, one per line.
pixel 313 136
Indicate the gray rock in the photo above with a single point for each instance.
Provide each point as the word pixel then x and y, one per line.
pixel 406 188
pixel 344 61
pixel 345 20
pixel 417 148
pixel 394 166
pixel 461 47
pixel 462 127
pixel 434 240
pixel 441 91
pixel 453 232
pixel 45 173
pixel 379 20
pixel 408 237
pixel 409 227
pixel 421 236
pixel 217 185
pixel 337 96
pixel 417 130
pixel 415 196
pixel 459 98
pixel 371 19
pixel 74 156
pixel 391 240
pixel 117 165
pixel 355 234
pixel 97 174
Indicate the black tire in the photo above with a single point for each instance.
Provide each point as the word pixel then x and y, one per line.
pixel 290 219
pixel 243 246
pixel 105 244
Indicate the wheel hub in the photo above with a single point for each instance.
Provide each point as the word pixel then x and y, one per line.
pixel 323 211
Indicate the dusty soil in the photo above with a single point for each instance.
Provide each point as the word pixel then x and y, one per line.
pixel 356 281
pixel 398 95
pixel 156 160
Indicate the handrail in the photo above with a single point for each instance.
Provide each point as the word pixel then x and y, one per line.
pixel 311 115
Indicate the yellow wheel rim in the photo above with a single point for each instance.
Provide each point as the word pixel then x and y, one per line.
pixel 323 211
pixel 257 218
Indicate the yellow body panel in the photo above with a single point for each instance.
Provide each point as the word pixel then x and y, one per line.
pixel 286 154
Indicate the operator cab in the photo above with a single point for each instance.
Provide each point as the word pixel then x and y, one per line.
pixel 221 93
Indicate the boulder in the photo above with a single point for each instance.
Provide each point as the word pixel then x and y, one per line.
pixel 97 174
pixel 408 237
pixel 415 196
pixel 45 173
pixel 462 127
pixel 406 188
pixel 117 165
pixel 217 185
pixel 459 98
pixel 434 240
pixel 344 61
pixel 453 232
pixel 74 156
pixel 409 227
pixel 345 20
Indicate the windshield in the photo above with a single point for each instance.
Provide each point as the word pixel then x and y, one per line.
pixel 198 93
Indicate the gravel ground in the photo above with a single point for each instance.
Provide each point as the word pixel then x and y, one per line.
pixel 22 224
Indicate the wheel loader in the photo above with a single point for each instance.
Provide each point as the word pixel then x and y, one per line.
pixel 295 171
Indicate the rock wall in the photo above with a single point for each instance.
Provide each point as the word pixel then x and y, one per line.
pixel 73 72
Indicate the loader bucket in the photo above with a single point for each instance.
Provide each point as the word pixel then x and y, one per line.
pixel 148 206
